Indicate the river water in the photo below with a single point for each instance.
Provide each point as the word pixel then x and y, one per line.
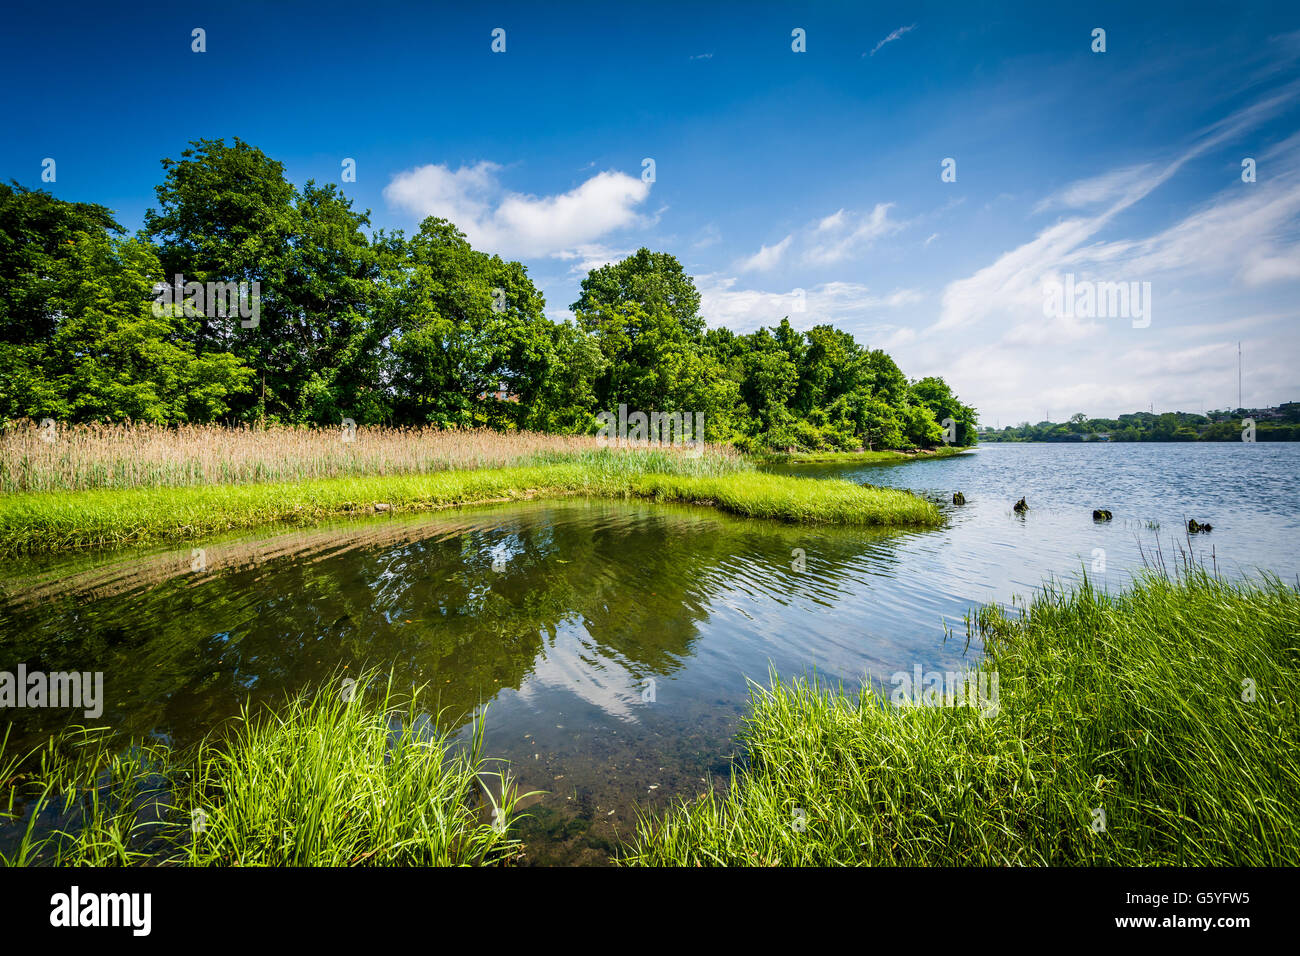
pixel 613 642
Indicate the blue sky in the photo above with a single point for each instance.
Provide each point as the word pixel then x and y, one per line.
pixel 774 170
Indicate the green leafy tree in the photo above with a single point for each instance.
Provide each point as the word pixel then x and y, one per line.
pixel 111 355
pixel 652 364
pixel 36 230
pixel 227 214
pixel 653 280
pixel 934 394
pixel 462 323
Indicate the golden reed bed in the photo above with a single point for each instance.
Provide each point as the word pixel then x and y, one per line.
pixel 76 457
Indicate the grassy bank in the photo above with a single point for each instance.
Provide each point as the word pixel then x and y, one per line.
pixel 1159 726
pixel 86 457
pixel 862 457
pixel 324 782
pixel 55 520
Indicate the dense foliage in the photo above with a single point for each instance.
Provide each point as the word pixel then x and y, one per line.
pixel 394 329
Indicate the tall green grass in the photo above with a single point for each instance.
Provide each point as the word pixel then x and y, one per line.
pixel 323 782
pixel 48 521
pixel 1157 726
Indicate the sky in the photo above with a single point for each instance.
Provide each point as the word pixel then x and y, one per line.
pixel 810 183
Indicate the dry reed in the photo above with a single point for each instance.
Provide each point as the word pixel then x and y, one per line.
pixel 147 456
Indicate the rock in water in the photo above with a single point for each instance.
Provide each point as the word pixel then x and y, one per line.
pixel 1020 507
pixel 1100 514
pixel 958 498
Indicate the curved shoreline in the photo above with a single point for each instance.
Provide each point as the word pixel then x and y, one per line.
pixel 41 522
pixel 885 457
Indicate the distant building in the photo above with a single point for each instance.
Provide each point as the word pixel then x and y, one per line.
pixel 502 394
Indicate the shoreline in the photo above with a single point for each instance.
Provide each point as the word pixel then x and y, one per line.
pixel 884 457
pixel 52 521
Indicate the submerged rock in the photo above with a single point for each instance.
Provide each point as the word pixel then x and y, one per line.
pixel 1020 507
pixel 958 498
pixel 1101 514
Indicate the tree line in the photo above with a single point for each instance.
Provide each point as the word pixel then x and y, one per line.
pixel 1281 423
pixel 386 328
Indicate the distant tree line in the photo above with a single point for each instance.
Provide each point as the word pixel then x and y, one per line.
pixel 1280 423
pixel 385 328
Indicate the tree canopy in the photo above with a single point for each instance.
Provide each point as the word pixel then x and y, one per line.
pixel 389 328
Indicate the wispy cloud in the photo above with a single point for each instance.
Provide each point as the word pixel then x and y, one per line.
pixel 842 235
pixel 891 38
pixel 1107 187
pixel 837 238
pixel 1011 286
pixel 767 257
pixel 710 235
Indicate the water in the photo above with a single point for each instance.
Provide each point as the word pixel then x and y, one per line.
pixel 560 615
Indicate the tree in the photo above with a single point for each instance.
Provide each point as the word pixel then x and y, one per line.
pixel 934 394
pixel 35 232
pixel 462 323
pixel 654 280
pixel 418 330
pixel 651 364
pixel 330 367
pixel 771 376
pixel 110 354
pixel 227 214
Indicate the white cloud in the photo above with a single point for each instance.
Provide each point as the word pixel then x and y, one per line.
pixel 710 235
pixel 1207 267
pixel 839 236
pixel 833 221
pixel 1104 188
pixel 1272 269
pixel 844 304
pixel 518 224
pixel 892 37
pixel 766 257
pixel 592 256
pixel 1010 287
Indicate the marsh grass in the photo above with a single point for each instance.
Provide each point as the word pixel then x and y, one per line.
pixel 151 456
pixel 319 782
pixel 48 521
pixel 1139 705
